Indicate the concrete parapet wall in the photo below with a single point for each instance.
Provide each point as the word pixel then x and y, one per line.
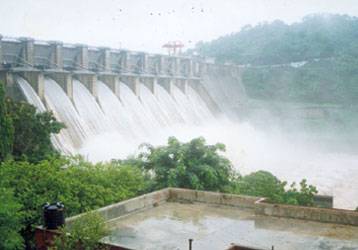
pixel 129 206
pixel 213 197
pixel 328 215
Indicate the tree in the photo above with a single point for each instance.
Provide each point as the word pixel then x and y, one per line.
pixel 6 127
pixel 193 165
pixel 304 196
pixel 262 184
pixel 10 221
pixel 32 131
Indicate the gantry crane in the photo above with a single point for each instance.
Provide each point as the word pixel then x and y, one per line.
pixel 173 46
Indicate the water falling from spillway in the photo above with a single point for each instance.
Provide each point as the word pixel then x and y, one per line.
pixel 141 117
pixel 152 105
pixel 89 109
pixel 201 109
pixel 166 101
pixel 185 106
pixel 121 120
pixel 61 141
pixel 59 103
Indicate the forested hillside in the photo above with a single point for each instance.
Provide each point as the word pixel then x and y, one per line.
pixel 316 36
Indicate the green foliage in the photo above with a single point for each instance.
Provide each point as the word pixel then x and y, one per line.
pixel 10 221
pixel 193 165
pixel 304 196
pixel 264 184
pixel 83 185
pixel 6 127
pixel 84 234
pixel 32 131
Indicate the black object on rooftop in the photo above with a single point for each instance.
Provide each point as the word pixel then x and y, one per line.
pixel 53 215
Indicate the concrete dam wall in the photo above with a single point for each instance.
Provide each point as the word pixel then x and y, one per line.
pixel 101 92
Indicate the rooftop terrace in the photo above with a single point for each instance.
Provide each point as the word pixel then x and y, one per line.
pixel 168 218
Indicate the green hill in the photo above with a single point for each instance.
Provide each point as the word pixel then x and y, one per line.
pixel 316 36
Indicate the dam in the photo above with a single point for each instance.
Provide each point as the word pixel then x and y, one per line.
pixel 102 92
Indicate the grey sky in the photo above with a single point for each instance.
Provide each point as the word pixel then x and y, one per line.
pixel 147 24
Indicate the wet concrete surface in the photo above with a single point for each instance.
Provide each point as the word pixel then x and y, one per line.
pixel 170 225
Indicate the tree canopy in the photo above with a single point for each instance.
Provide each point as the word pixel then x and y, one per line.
pixel 193 165
pixel 32 131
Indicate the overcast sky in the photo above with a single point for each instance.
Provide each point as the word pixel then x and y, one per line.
pixel 145 25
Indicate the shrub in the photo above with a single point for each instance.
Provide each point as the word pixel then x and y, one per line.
pixel 84 234
pixel 264 184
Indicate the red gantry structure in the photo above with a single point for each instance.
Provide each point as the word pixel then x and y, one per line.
pixel 173 46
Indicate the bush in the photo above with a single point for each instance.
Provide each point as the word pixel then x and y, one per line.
pixel 84 234
pixel 264 184
pixel 193 165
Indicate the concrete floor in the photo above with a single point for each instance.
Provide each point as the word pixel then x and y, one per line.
pixel 170 225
